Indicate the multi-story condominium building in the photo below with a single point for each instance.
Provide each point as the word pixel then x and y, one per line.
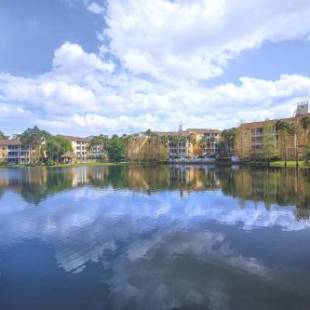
pixel 266 140
pixel 13 151
pixel 208 139
pixel 80 146
pixel 82 149
pixel 193 142
pixel 182 144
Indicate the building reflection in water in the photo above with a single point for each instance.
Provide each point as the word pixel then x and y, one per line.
pixel 289 187
pixel 169 237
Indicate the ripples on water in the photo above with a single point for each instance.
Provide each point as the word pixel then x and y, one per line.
pixel 154 237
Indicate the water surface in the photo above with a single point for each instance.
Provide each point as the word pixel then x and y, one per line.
pixel 154 237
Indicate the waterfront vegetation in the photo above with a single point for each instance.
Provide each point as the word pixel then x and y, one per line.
pixel 57 151
pixel 46 149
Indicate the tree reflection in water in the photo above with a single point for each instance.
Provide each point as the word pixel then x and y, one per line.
pixel 284 187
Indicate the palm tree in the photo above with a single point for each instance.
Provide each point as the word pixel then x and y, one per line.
pixel 305 123
pixel 293 129
pixel 100 142
pixel 283 128
pixel 32 138
pixel 164 145
pixel 2 136
pixel 229 136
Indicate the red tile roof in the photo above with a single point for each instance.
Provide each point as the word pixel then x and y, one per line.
pixel 9 142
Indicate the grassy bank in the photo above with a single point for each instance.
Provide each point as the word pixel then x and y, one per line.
pixel 278 164
pixel 290 164
pixel 71 165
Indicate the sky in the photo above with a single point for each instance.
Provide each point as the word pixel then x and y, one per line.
pixel 85 67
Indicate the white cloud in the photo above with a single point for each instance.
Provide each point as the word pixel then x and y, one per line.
pixel 70 58
pixel 95 8
pixel 174 44
pixel 100 102
pixel 195 39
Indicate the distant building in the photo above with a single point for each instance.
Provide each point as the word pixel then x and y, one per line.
pixel 209 138
pixel 254 139
pixel 192 142
pixel 79 146
pixel 181 144
pixel 82 149
pixel 302 108
pixel 13 151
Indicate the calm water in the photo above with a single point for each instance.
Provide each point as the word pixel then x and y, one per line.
pixel 154 237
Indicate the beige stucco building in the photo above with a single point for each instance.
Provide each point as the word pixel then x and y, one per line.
pixel 13 151
pixel 253 139
pixel 82 150
pixel 182 144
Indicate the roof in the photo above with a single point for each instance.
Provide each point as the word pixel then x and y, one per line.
pixel 186 133
pixel 172 133
pixel 262 123
pixel 203 130
pixel 72 138
pixel 10 142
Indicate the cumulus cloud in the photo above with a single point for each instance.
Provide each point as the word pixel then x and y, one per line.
pixel 196 39
pixel 71 58
pixel 150 70
pixel 95 8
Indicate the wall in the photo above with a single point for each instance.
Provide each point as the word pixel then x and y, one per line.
pixel 243 141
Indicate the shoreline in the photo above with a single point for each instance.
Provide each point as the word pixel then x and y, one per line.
pixel 275 164
pixel 254 164
pixel 71 165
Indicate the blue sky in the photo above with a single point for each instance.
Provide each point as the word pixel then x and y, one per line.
pixel 120 66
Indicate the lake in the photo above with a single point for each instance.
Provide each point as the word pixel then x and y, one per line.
pixel 154 237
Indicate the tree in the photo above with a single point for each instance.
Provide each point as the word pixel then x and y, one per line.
pixel 56 147
pixel 294 129
pixel 116 148
pixel 229 136
pixel 307 155
pixel 269 143
pixel 100 142
pixel 33 138
pixel 148 132
pixel 2 136
pixel 305 123
pixel 283 130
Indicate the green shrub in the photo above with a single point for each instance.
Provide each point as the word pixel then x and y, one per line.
pixel 307 155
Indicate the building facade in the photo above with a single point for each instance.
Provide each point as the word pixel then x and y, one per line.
pixel 193 143
pixel 80 146
pixel 182 144
pixel 265 140
pixel 82 149
pixel 13 151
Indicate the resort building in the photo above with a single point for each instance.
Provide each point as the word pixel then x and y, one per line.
pixel 182 144
pixel 79 146
pixel 278 138
pixel 13 151
pixel 193 143
pixel 82 149
pixel 208 139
